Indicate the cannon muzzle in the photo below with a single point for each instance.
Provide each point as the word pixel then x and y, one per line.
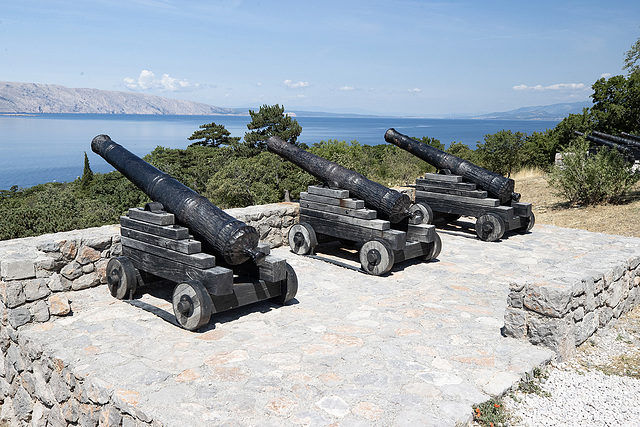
pixel 390 203
pixel 495 184
pixel 233 240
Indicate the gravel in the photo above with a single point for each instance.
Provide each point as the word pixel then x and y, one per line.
pixel 598 387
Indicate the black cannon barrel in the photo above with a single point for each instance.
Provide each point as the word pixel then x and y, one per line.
pixel 496 184
pixel 621 148
pixel 631 136
pixel 390 203
pixel 230 238
pixel 617 139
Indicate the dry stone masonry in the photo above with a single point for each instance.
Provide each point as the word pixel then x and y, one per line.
pixel 38 278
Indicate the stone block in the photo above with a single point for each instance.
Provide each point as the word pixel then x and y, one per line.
pixel 16 269
pixel 85 281
pixel 88 268
pixel 36 289
pixel 99 243
pixel 39 311
pixel 547 299
pixel 58 283
pixel 605 315
pixel 86 255
pixel 48 247
pixel 19 316
pixel 69 249
pixel 578 314
pixel 71 271
pixel 554 333
pixel 585 328
pixel 59 305
pixel 515 323
pixel 613 294
pixel 12 293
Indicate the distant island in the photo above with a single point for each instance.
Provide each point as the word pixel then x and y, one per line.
pixel 33 98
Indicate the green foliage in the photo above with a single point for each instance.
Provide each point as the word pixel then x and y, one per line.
pixel 54 207
pixel 632 56
pixel 592 179
pixel 270 120
pixel 491 413
pixel 539 150
pixel 87 174
pixel 463 151
pixel 617 104
pixel 213 135
pixel 502 151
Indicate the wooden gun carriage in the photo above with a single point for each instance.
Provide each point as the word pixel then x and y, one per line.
pixel 464 189
pixel 329 213
pixel 215 260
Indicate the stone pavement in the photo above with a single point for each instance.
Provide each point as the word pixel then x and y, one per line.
pixel 417 347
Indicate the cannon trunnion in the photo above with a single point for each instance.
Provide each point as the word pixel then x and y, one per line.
pixel 215 260
pixel 328 213
pixel 464 189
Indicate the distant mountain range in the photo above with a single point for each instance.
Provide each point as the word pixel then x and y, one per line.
pixel 45 98
pixel 540 112
pixel 29 98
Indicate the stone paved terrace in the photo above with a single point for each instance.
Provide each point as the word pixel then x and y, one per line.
pixel 417 347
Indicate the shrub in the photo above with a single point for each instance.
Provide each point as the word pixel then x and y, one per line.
pixel 590 179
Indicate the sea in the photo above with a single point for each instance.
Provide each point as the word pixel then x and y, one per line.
pixel 40 148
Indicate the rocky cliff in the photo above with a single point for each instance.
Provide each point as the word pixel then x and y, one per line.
pixel 45 98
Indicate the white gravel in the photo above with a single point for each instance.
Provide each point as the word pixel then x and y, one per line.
pixel 578 393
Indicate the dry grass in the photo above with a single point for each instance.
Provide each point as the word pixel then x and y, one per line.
pixel 622 219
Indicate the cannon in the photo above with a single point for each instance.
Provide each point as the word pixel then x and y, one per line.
pixel 382 222
pixel 216 261
pixel 461 188
pixel 626 146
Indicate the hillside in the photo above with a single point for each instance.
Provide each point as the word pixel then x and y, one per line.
pixel 539 112
pixel 45 98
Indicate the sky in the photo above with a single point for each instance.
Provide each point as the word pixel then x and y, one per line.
pixel 397 58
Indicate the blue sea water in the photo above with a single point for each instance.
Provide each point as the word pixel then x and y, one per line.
pixel 50 147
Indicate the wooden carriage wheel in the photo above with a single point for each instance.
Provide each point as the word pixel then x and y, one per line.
pixel 121 277
pixel 192 304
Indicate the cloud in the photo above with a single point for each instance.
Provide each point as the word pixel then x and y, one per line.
pixel 291 85
pixel 605 75
pixel 415 90
pixel 557 86
pixel 148 81
pixel 347 88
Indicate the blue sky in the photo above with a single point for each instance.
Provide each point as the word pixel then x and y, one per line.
pixel 412 58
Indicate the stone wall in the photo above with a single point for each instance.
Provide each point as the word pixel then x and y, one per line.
pixel 38 276
pixel 563 316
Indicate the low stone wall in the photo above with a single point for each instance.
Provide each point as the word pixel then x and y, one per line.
pixel 563 316
pixel 38 276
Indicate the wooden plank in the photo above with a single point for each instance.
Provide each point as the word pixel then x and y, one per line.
pixel 521 209
pixel 376 224
pixel 478 194
pixel 421 233
pixel 412 250
pixel 158 218
pixel 345 203
pixel 443 177
pixel 465 209
pixel 264 248
pixel 356 213
pixel 185 246
pixel 428 195
pixel 175 232
pixel 340 230
pixel 217 280
pixel 272 269
pixel 336 193
pixel 198 260
pixel 245 293
pixel 447 184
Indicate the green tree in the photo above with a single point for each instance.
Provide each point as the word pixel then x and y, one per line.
pixel 616 104
pixel 87 174
pixel 270 120
pixel 632 56
pixel 213 135
pixel 463 151
pixel 502 151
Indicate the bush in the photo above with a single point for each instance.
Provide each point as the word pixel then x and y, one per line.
pixel 590 179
